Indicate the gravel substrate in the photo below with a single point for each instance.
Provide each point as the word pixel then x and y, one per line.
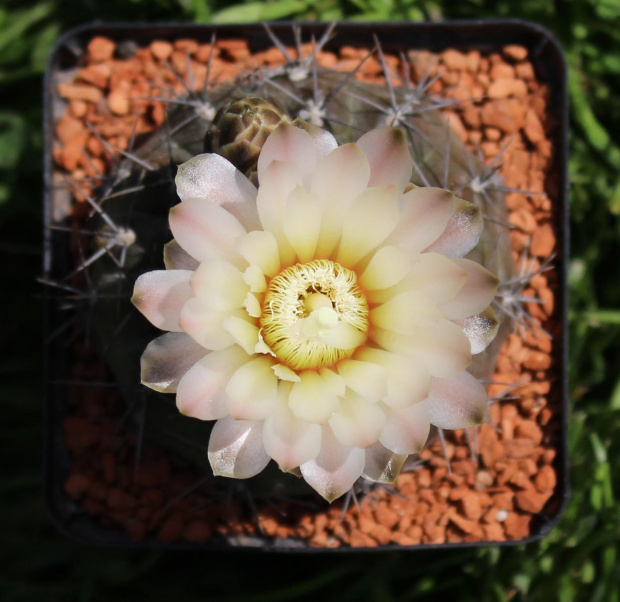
pixel 504 490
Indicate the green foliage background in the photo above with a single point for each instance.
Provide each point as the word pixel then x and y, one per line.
pixel 578 561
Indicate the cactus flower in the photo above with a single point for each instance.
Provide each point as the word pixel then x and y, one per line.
pixel 325 318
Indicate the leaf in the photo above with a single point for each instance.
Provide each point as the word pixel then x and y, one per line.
pixel 18 22
pixel 13 133
pixel 260 11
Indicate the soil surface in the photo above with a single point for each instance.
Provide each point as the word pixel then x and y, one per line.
pixel 500 481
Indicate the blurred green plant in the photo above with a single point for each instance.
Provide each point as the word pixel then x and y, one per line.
pixel 577 561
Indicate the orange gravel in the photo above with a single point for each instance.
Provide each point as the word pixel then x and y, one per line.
pixel 496 495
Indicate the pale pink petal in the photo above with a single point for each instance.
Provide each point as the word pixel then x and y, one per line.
pixel 365 378
pixel 161 294
pixel 175 258
pixel 367 223
pixel 477 293
pixel 253 390
pixel 342 175
pixel 205 231
pixel 387 267
pixel 480 329
pixel 389 157
pixel 200 393
pixel 254 277
pixel 407 429
pixel 260 248
pixel 440 346
pixel 313 398
pixel 431 274
pixel 236 448
pixel 462 232
pixel 166 359
pixel 334 471
pixel 324 142
pixel 404 313
pixel 278 182
pixel 219 285
pixel 357 423
pixel 457 402
pixel 205 325
pixel 382 465
pixel 213 179
pixel 302 223
pixel 288 440
pixel 425 213
pixel 408 380
pixel 292 145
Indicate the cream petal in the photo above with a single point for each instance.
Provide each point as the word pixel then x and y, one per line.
pixel 236 448
pixel 404 313
pixel 160 295
pixel 212 178
pixel 260 248
pixel 477 293
pixel 367 223
pixel 357 423
pixel 388 154
pixel 431 274
pixel 440 346
pixel 166 359
pixel 285 373
pixel 253 390
pixel 313 398
pixel 205 325
pixel 387 267
pixel 480 329
pixel 457 402
pixel 365 378
pixel 278 181
pixel 200 393
pixel 407 429
pixel 334 382
pixel 382 465
pixel 334 471
pixel 408 380
pixel 424 215
pixel 462 232
pixel 219 285
pixel 252 306
pixel 255 279
pixel 175 258
pixel 302 223
pixel 291 144
pixel 243 332
pixel 288 440
pixel 343 336
pixel 205 231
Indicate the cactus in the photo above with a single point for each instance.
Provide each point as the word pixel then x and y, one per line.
pixel 234 119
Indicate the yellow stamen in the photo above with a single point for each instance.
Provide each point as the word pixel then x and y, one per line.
pixel 304 307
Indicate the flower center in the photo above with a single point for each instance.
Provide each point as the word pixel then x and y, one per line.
pixel 314 314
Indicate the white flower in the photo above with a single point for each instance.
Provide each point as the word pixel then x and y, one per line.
pixel 325 319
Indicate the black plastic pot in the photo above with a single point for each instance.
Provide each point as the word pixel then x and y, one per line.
pixel 485 36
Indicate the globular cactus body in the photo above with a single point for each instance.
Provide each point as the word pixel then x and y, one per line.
pixel 237 127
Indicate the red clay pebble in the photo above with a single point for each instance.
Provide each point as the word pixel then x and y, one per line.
pixel 160 49
pixel 171 529
pixel 76 485
pixel 506 114
pixel 514 52
pixel 543 241
pixel 529 430
pixel 197 532
pixel 455 60
pixel 80 434
pixel 465 525
pixel 119 499
pixel 546 479
pixel 361 540
pixel 100 49
pixel 505 87
pixel 531 501
pixel 537 360
pixel 80 92
pixel 518 448
pixel 517 526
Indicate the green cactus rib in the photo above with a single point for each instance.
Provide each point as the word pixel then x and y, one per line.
pixel 235 125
